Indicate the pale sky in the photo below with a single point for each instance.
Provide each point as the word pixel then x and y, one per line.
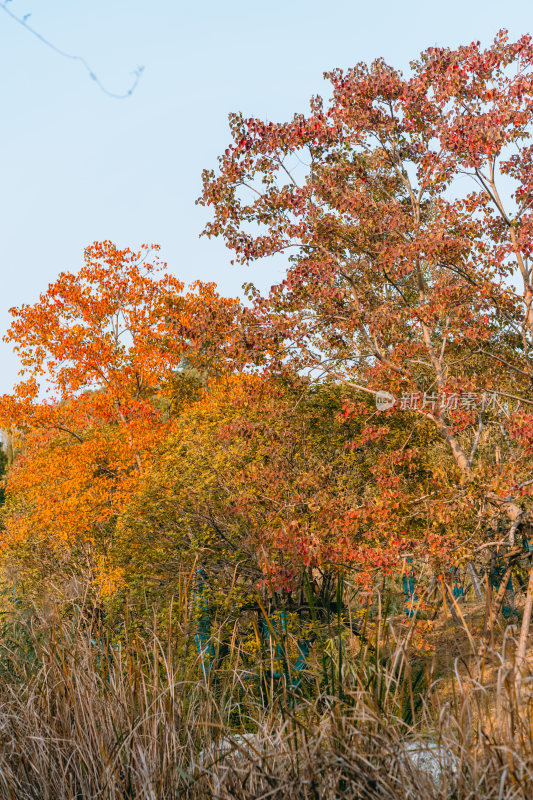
pixel 77 166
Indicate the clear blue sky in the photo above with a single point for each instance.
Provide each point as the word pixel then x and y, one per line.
pixel 77 166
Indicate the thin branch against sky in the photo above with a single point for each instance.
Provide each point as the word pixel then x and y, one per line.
pixel 23 21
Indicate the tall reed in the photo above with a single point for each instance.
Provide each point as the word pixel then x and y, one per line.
pixel 92 711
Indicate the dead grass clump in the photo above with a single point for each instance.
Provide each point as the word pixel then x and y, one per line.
pixel 82 717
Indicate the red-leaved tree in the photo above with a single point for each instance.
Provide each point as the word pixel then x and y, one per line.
pixel 404 210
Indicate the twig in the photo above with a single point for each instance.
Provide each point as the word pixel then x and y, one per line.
pixel 23 22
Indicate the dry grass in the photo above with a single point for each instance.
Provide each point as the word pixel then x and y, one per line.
pixel 82 719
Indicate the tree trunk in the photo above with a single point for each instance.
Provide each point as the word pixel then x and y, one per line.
pixel 8 445
pixel 498 601
pixel 520 661
pixel 475 581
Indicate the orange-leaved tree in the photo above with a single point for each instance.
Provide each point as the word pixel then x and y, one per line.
pixel 98 349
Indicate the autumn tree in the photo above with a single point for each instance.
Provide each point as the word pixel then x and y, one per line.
pixel 404 208
pixel 98 350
